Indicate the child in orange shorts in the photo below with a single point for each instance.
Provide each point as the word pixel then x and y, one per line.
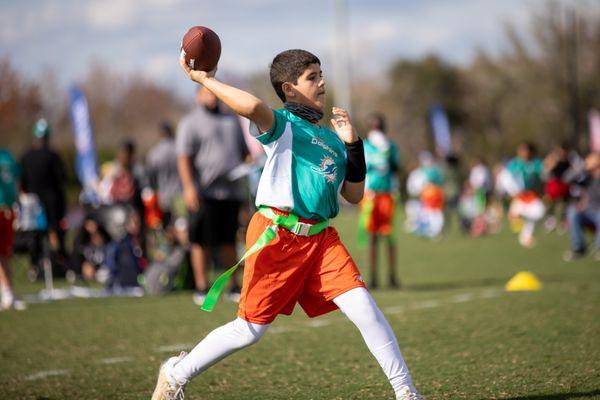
pixel 294 256
pixel 378 205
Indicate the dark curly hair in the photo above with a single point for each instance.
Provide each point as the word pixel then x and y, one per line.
pixel 287 66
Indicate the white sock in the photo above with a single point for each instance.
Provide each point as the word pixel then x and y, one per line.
pixel 360 308
pixel 526 232
pixel 7 297
pixel 217 345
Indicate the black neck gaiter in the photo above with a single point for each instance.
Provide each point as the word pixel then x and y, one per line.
pixel 300 110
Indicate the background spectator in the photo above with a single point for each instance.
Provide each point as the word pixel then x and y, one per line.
pixel 125 257
pixel 210 144
pixel 89 249
pixel 556 189
pixel 161 168
pixel 585 211
pixel 44 175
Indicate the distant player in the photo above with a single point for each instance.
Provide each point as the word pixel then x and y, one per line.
pixel 526 207
pixel 9 172
pixel 307 166
pixel 378 205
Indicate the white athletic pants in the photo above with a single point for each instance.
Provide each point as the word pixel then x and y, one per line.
pixel 360 308
pixel 357 304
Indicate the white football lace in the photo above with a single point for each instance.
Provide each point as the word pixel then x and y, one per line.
pixel 175 393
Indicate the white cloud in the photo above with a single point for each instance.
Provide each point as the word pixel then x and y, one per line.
pixel 161 65
pixel 379 30
pixel 115 14
pixel 110 14
pixel 451 29
pixel 164 3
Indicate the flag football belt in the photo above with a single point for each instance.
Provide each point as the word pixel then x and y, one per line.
pixel 290 222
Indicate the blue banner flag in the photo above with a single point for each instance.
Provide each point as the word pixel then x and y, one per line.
pixel 85 162
pixel 441 130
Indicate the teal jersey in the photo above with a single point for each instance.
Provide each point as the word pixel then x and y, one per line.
pixel 434 175
pixel 305 167
pixel 9 172
pixel 381 165
pixel 527 173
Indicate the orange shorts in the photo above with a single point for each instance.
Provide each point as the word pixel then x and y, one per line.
pixel 309 270
pixel 381 218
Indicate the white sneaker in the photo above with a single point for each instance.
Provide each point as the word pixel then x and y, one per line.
pixel 7 300
pixel 166 387
pixel 19 305
pixel 527 242
pixel 405 393
pixel 199 297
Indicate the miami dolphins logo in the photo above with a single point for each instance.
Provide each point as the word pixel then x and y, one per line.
pixel 327 168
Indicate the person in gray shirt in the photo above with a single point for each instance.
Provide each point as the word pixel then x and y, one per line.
pixel 585 211
pixel 161 167
pixel 210 144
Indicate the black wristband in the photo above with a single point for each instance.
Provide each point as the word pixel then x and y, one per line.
pixel 356 169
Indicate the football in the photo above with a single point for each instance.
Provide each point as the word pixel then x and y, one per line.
pixel 201 48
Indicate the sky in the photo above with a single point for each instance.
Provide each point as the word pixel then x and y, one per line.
pixel 144 36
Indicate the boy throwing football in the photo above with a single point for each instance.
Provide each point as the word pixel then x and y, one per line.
pixel 307 167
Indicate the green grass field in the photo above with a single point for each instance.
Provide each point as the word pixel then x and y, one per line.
pixel 463 337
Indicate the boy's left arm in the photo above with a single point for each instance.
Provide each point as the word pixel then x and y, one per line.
pixel 353 187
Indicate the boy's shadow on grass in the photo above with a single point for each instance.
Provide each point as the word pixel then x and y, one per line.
pixel 478 283
pixel 561 396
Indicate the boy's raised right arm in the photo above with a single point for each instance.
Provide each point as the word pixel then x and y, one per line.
pixel 241 102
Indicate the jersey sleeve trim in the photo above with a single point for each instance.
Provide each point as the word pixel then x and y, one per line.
pixel 273 134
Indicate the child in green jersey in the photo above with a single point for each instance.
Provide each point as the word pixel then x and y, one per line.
pixel 300 258
pixel 378 206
